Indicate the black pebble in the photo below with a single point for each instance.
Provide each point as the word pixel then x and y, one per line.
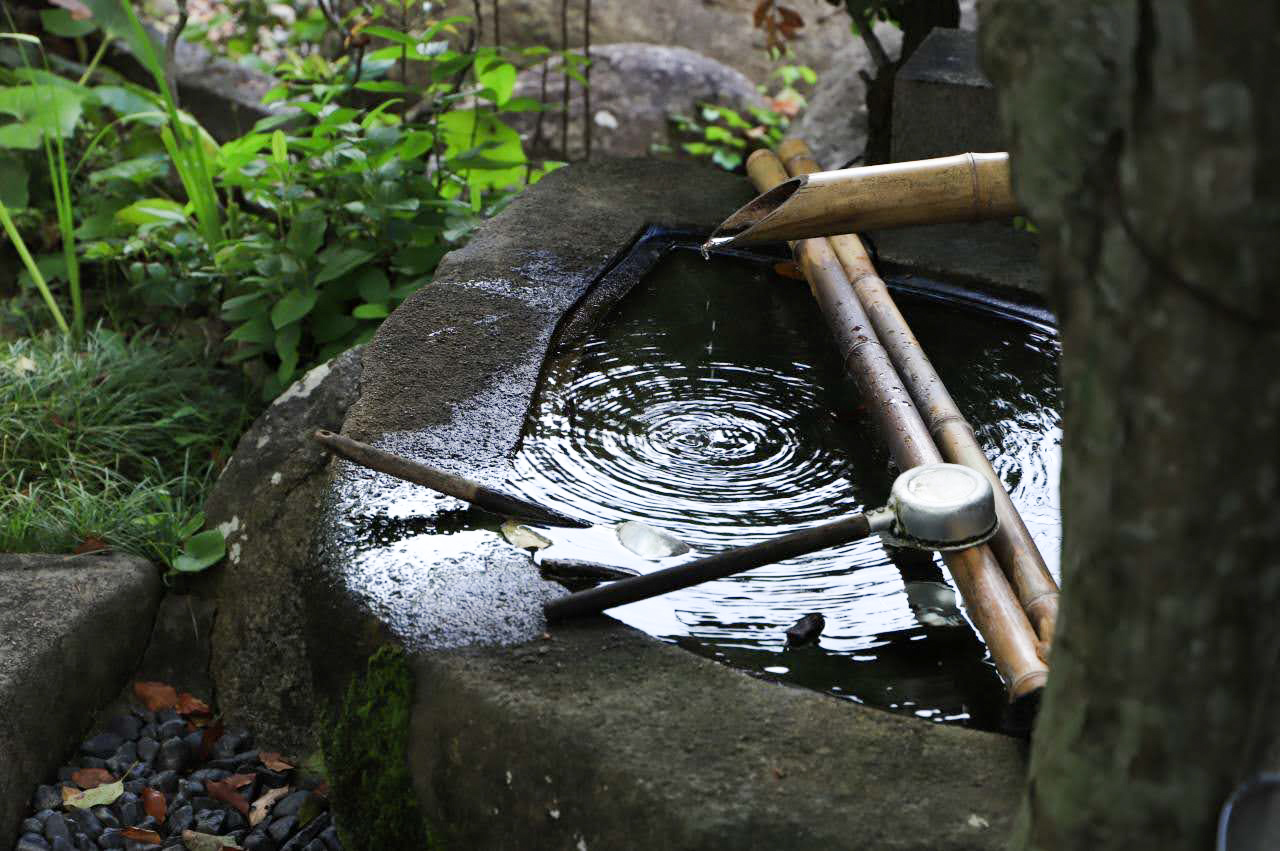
pixel 146 716
pixel 330 838
pixel 56 828
pixel 104 815
pixel 150 730
pixel 87 823
pixel 92 762
pixel 194 740
pixel 258 841
pixel 191 788
pixel 62 843
pixel 174 755
pixel 46 798
pixel 165 781
pixel 166 715
pixel 291 804
pixel 175 727
pixel 129 809
pixel 234 821
pixel 111 838
pixel 315 845
pixel 135 787
pixel 180 819
pixel 66 773
pixel 84 843
pixel 102 745
pixel 147 749
pixel 32 825
pixel 280 828
pixel 271 779
pixel 308 834
pixel 204 775
pixel 125 726
pixel 211 821
pixel 203 803
pixel 31 842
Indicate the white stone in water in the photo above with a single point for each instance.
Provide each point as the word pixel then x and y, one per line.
pixel 649 542
pixel 523 537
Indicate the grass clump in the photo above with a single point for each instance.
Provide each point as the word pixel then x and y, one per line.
pixel 110 442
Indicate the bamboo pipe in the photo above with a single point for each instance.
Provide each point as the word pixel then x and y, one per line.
pixel 963 188
pixel 1014 548
pixel 991 603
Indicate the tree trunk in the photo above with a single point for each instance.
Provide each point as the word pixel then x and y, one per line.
pixel 1146 145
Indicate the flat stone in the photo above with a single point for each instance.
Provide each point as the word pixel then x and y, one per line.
pixel 601 737
pixel 942 102
pixel 71 630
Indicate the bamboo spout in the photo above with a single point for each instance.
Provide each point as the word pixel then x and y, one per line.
pixel 962 188
pixel 990 601
pixel 1014 548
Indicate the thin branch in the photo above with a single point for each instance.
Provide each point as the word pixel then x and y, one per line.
pixel 586 90
pixel 564 95
pixel 170 46
pixel 864 23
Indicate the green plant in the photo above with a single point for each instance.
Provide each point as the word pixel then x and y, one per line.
pixel 113 441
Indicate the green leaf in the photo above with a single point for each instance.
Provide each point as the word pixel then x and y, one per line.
pixel 466 132
pixel 256 330
pixel 13 187
pixel 336 261
pixel 727 160
pixel 201 552
pixel 306 234
pixel 150 211
pixel 24 137
pixel 48 108
pixel 131 100
pixel 60 22
pixel 137 170
pixel 372 284
pixel 98 796
pixel 287 350
pixel 279 148
pixel 295 305
pixel 371 311
pixel 498 76
pixel 329 326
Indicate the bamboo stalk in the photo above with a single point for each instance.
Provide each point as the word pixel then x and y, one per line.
pixel 963 188
pixel 1014 548
pixel 989 599
pixel 446 483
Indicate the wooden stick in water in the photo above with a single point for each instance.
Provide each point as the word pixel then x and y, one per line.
pixel 447 483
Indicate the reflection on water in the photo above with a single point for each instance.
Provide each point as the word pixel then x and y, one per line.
pixel 711 404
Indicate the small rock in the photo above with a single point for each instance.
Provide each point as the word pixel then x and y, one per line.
pixel 171 728
pixel 102 745
pixel 43 816
pixel 259 841
pixel 330 838
pixel 233 821
pixel 167 715
pixel 204 775
pixel 150 731
pixel 128 752
pixel 111 838
pixel 271 779
pixel 308 834
pixel 46 798
pixel 191 788
pixel 165 781
pixel 92 762
pixel 232 742
pixel 174 755
pixel 315 845
pixel 31 842
pixel 147 749
pixel 135 787
pixel 127 727
pixel 291 804
pixel 211 821
pixel 87 823
pixel 62 843
pixel 146 716
pixel 129 809
pixel 180 819
pixel 56 828
pixel 148 823
pixel 84 843
pixel 66 773
pixel 280 828
pixel 32 825
pixel 105 817
pixel 203 803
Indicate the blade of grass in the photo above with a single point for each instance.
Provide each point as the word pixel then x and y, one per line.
pixel 32 269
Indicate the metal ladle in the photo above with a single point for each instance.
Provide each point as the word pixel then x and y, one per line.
pixel 932 507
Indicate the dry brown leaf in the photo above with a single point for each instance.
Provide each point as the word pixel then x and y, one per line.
pixel 239 781
pixel 91 544
pixel 222 790
pixel 138 834
pixel 88 778
pixel 79 11
pixel 263 805
pixel 154 803
pixel 189 704
pixel 272 760
pixel 156 696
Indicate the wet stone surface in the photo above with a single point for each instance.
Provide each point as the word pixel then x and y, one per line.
pixel 175 776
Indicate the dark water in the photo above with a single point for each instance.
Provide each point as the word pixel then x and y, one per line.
pixel 712 404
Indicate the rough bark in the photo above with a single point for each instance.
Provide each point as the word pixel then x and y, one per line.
pixel 1146 145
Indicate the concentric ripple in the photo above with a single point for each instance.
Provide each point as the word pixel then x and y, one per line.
pixel 712 405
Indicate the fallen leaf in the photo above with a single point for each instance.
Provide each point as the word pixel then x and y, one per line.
pixel 79 11
pixel 272 760
pixel 189 704
pixel 97 796
pixel 154 803
pixel 258 813
pixel 89 778
pixel 138 834
pixel 523 537
pixel 239 781
pixel 208 738
pixel 90 544
pixel 222 790
pixel 156 696
pixel 207 842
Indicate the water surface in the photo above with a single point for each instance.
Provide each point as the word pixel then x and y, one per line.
pixel 711 403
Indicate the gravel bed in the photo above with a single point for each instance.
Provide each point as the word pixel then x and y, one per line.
pixel 176 784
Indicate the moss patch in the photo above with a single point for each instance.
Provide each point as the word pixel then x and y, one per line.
pixel 366 752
